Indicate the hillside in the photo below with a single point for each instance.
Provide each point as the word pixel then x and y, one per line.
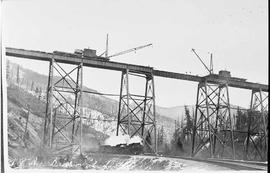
pixel 30 90
pixel 23 136
pixel 31 81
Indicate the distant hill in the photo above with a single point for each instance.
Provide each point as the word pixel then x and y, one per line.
pixel 174 112
pixel 178 112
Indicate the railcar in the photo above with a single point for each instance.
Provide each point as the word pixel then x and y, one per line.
pixel 133 149
pixel 85 53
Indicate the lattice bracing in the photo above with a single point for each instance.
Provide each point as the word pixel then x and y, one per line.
pixel 136 115
pixel 256 143
pixel 213 126
pixel 62 126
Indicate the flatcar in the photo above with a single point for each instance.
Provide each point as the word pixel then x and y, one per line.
pixel 65 54
pixel 221 76
pixel 238 79
pixel 85 53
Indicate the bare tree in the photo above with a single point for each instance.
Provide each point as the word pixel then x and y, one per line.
pixel 32 86
pixel 18 75
pixel 8 71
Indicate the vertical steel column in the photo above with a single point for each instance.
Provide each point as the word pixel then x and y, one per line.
pixel 208 119
pixel 51 104
pixel 150 114
pixel 216 123
pixel 81 106
pixel 154 114
pixel 248 132
pixel 195 122
pixel 53 122
pixel 124 110
pixel 231 122
pixel 249 126
pixel 264 121
pixel 144 104
pixel 76 103
pixel 119 106
pixel 230 119
pixel 128 96
pixel 48 101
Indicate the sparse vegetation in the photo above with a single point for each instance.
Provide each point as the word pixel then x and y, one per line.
pixel 21 98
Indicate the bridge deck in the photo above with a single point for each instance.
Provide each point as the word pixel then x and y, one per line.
pixel 111 65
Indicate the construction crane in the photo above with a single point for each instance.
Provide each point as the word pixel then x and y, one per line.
pixel 221 73
pixel 129 50
pixel 210 69
pixel 120 53
pixel 107 47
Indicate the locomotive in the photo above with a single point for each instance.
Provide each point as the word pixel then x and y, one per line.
pixel 133 149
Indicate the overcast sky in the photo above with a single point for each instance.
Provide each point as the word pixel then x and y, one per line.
pixel 236 32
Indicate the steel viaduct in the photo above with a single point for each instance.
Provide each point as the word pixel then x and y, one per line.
pixel 212 127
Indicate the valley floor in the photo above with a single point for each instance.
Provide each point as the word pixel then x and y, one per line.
pixel 97 161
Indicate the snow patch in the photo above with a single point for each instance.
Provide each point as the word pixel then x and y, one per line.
pixel 122 139
pixel 135 139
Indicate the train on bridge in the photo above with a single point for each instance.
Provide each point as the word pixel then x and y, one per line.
pixel 85 53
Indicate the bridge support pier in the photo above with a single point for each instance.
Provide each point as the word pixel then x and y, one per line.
pixel 213 126
pixel 136 113
pixel 256 144
pixel 63 123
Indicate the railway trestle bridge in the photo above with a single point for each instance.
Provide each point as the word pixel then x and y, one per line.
pixel 213 126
